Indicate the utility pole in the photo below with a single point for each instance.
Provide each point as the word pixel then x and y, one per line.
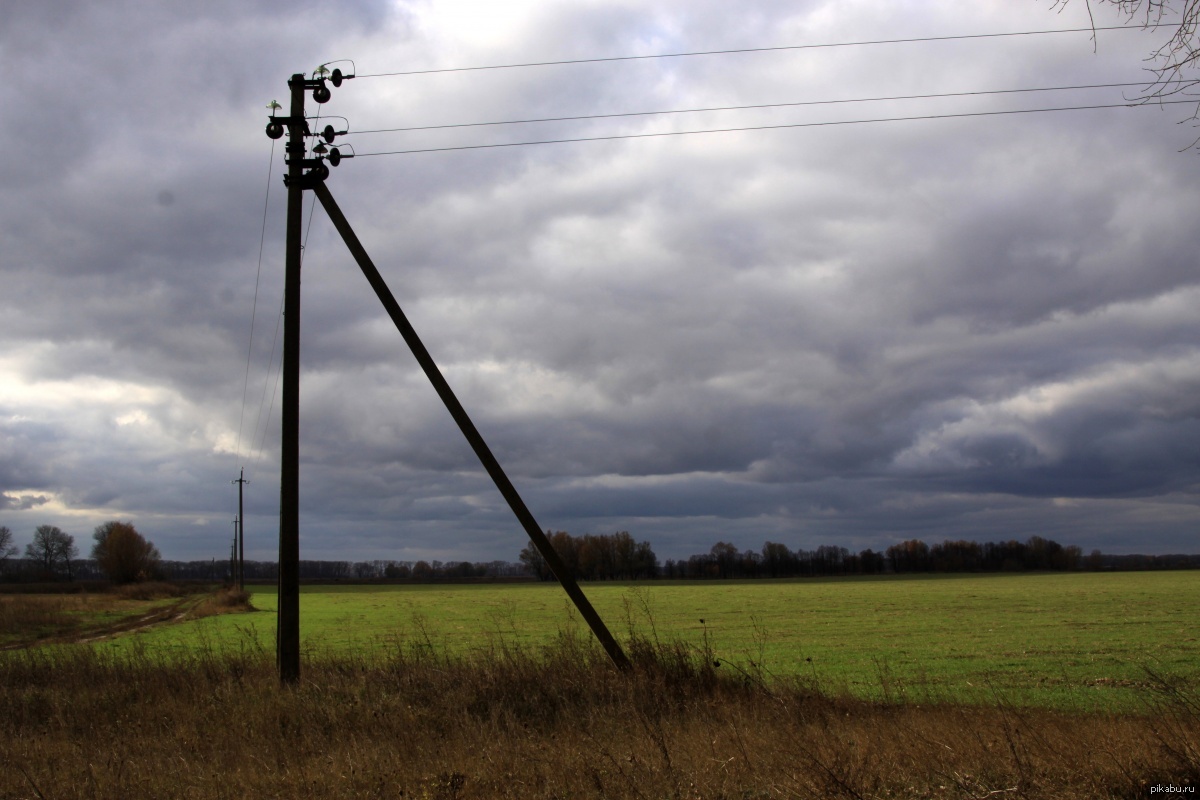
pixel 241 532
pixel 287 637
pixel 288 621
pixel 233 556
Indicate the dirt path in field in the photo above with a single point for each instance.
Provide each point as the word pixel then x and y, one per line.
pixel 172 612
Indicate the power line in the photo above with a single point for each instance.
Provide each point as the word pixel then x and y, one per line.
pixel 256 450
pixel 767 127
pixel 254 305
pixel 747 108
pixel 751 50
pixel 265 423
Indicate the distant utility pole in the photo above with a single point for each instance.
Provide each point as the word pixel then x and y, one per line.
pixel 233 555
pixel 241 533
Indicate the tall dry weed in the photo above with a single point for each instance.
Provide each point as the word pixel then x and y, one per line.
pixel 550 722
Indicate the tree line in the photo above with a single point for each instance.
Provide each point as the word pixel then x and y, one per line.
pixel 619 557
pixel 375 570
pixel 776 560
pixel 119 553
pixel 595 557
pixel 122 555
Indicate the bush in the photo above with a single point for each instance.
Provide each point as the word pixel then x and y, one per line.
pixel 123 554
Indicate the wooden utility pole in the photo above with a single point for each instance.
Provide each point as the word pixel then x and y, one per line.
pixel 241 532
pixel 288 620
pixel 287 638
pixel 288 626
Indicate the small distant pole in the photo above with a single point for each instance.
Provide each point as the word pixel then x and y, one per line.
pixel 233 556
pixel 241 533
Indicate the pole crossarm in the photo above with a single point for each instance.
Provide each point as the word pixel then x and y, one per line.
pixel 524 516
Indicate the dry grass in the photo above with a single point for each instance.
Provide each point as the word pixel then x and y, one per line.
pixel 551 723
pixel 26 617
pixel 227 600
pixel 155 590
pixel 39 618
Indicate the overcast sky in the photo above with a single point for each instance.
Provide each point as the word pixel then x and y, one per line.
pixel 976 327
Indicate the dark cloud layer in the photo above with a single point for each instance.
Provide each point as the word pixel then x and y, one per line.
pixel 971 328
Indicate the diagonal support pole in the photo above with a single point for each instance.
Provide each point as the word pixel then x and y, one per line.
pixel 469 431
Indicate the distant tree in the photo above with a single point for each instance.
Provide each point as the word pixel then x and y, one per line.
pixel 749 563
pixel 956 556
pixel 645 562
pixel 534 562
pixel 725 556
pixel 870 562
pixel 829 559
pixel 52 550
pixel 123 554
pixel 909 556
pixel 778 560
pixel 463 569
pixel 594 557
pixel 7 548
pixel 396 571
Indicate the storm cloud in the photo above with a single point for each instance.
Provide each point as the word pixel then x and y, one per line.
pixel 965 327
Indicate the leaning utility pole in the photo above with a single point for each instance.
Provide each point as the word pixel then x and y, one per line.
pixel 469 431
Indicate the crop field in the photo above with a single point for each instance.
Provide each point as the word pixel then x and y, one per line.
pixel 1039 687
pixel 1080 641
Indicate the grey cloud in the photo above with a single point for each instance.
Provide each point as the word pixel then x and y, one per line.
pixel 847 333
pixel 22 502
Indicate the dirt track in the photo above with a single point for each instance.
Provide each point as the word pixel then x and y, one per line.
pixel 172 612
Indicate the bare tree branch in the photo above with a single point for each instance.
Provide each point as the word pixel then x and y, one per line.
pixel 1171 63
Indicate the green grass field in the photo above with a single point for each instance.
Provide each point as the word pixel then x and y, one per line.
pixel 1080 640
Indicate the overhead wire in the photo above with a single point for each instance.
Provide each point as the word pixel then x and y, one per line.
pixel 257 450
pixel 829 123
pixel 828 45
pixel 254 306
pixel 1091 29
pixel 279 369
pixel 583 117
